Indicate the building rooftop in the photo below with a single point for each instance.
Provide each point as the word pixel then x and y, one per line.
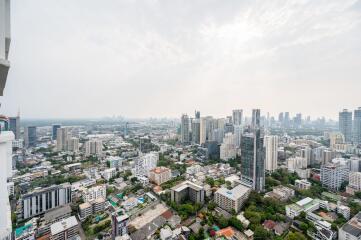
pixel 235 193
pixel 63 225
pixel 186 184
pixel 56 213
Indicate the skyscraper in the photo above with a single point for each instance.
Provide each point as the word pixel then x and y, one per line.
pixel 185 129
pixel 286 122
pixel 252 160
pixel 61 139
pixel 271 148
pixel 237 116
pixel 256 118
pixel 15 126
pixel 196 128
pixel 197 114
pixel 54 131
pixel 357 126
pixel 30 136
pixel 345 124
pixel 280 118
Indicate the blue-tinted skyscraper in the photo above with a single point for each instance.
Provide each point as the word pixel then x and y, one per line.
pixel 54 131
pixel 30 136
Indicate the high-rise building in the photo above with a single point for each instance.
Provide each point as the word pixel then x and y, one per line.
pixel 145 163
pixel 357 126
pixel 65 229
pixel 271 148
pixel 61 139
pixel 4 42
pixel 42 200
pixel 232 199
pixel 228 148
pixel 185 129
pixel 334 174
pixel 15 126
pixel 196 130
pixel 197 114
pixel 286 121
pixel 345 124
pixel 187 191
pixel 280 118
pixel 256 118
pixel 252 163
pixel 94 147
pixel 237 116
pixel 237 131
pixel 119 225
pixel 73 144
pixel 30 136
pixel 160 175
pixel 6 138
pixel 54 131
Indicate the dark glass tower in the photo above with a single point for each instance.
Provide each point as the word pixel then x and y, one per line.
pixel 54 131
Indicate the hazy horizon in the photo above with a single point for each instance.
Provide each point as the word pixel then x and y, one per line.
pixel 142 59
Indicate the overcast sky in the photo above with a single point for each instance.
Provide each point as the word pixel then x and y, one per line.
pixel 84 58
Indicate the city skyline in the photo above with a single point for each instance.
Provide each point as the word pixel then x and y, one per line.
pixel 215 57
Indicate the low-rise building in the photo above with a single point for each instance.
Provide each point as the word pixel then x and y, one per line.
pixel 305 205
pixel 109 173
pixel 88 208
pixel 352 229
pixel 232 199
pixel 302 184
pixel 90 194
pixel 65 229
pixel 187 191
pixel 281 193
pixel 160 175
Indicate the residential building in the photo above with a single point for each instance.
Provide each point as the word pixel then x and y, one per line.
pixel 345 124
pixel 302 184
pixel 252 160
pixel 109 173
pixel 73 144
pixel 355 164
pixel 89 208
pixel 296 163
pixel 30 136
pixel 304 205
pixel 119 225
pixel 187 191
pixel 160 175
pixel 93 193
pixel 65 229
pixel 228 148
pixel 271 149
pixel 281 193
pixel 4 42
pixel 6 138
pixel 146 162
pixel 352 229
pixel 42 200
pixel 94 147
pixel 336 138
pixel 343 210
pixel 232 199
pixel 185 129
pixel 334 174
pixel 52 216
pixel 115 162
pixel 354 184
pixel 62 139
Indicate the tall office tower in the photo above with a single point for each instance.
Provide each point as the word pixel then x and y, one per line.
pixel 94 147
pixel 286 122
pixel 126 129
pixel 30 136
pixel 55 131
pixel 207 125
pixel 41 200
pixel 298 120
pixel 238 130
pixel 271 148
pixel 61 139
pixel 306 153
pixel 280 118
pixel 73 144
pixel 197 114
pixel 357 126
pixel 196 128
pixel 252 163
pixel 185 129
pixel 345 124
pixel 15 126
pixel 237 116
pixel 256 118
